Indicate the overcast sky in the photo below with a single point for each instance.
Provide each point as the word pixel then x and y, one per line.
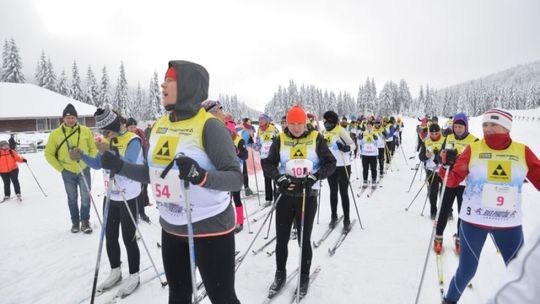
pixel 250 47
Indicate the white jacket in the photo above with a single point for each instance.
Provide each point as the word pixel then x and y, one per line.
pixel 521 282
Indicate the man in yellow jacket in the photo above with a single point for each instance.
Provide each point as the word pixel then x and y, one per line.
pixel 67 136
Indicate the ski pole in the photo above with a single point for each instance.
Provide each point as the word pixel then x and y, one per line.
pixel 302 212
pixel 414 199
pixel 412 181
pixel 255 171
pixel 432 177
pixel 85 182
pixel 163 284
pixel 102 235
pixel 269 225
pixel 191 242
pixel 319 201
pixel 404 156
pixel 241 260
pixel 431 237
pixel 352 192
pixel 36 180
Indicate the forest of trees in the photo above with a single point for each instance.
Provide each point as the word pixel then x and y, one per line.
pixel 515 88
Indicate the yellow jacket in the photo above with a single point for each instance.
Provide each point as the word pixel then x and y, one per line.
pixel 56 150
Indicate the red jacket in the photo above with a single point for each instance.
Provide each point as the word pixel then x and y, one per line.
pixel 8 160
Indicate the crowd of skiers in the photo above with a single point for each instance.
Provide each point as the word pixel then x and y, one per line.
pixel 202 145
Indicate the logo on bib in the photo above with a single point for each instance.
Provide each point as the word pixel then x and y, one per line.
pixel 499 171
pixel 165 150
pixel 299 152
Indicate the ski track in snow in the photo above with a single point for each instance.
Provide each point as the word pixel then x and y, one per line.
pixel 42 262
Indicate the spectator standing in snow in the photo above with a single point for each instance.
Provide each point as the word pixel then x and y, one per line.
pixel 67 136
pixel 9 169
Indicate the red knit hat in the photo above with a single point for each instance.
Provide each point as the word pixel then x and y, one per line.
pixel 171 72
pixel 296 115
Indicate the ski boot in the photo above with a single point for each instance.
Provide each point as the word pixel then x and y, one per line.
pixel 437 244
pixel 333 222
pixel 279 281
pixel 248 192
pixel 346 225
pixel 129 285
pixel 114 278
pixel 267 204
pixel 238 228
pixel 304 284
pixel 374 184
pixel 365 184
pixel 145 218
pixel 19 197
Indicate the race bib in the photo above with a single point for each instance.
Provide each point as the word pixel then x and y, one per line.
pixel 168 189
pixel 265 149
pixel 499 197
pixel 106 180
pixel 370 148
pixel 299 168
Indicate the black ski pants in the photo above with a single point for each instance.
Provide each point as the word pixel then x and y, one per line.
pixel 143 200
pixel 381 160
pixel 236 198
pixel 289 209
pixel 214 257
pixel 433 189
pixel 446 207
pixel 245 174
pixel 119 216
pixel 369 163
pixel 339 180
pixel 11 177
pixel 268 187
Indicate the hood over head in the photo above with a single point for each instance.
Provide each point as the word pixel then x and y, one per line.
pixel 192 82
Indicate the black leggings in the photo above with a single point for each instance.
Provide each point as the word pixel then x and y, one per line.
pixel 335 180
pixel 214 257
pixel 433 189
pixel 268 187
pixel 448 200
pixel 381 160
pixel 118 215
pixel 390 147
pixel 14 177
pixel 245 174
pixel 369 162
pixel 143 200
pixel 288 209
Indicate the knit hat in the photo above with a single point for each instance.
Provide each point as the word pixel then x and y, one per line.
pixel 434 128
pixel 296 115
pixel 211 106
pixel 106 119
pixel 331 116
pixel 265 117
pixel 4 143
pixel 499 117
pixel 131 122
pixel 69 110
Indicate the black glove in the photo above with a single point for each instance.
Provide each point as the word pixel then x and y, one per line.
pixel 25 160
pixel 375 137
pixel 190 170
pixel 311 180
pixel 283 182
pixel 342 147
pixel 250 140
pixel 449 157
pixel 111 162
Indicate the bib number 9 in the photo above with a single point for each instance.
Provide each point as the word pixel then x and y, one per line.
pixel 499 197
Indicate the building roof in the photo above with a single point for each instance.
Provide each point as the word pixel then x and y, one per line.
pixel 26 101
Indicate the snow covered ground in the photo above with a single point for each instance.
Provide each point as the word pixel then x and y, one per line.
pixel 42 262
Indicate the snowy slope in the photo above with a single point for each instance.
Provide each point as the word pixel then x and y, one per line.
pixel 42 262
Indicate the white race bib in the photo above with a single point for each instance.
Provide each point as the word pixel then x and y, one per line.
pixel 499 197
pixel 299 168
pixel 168 189
pixel 265 149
